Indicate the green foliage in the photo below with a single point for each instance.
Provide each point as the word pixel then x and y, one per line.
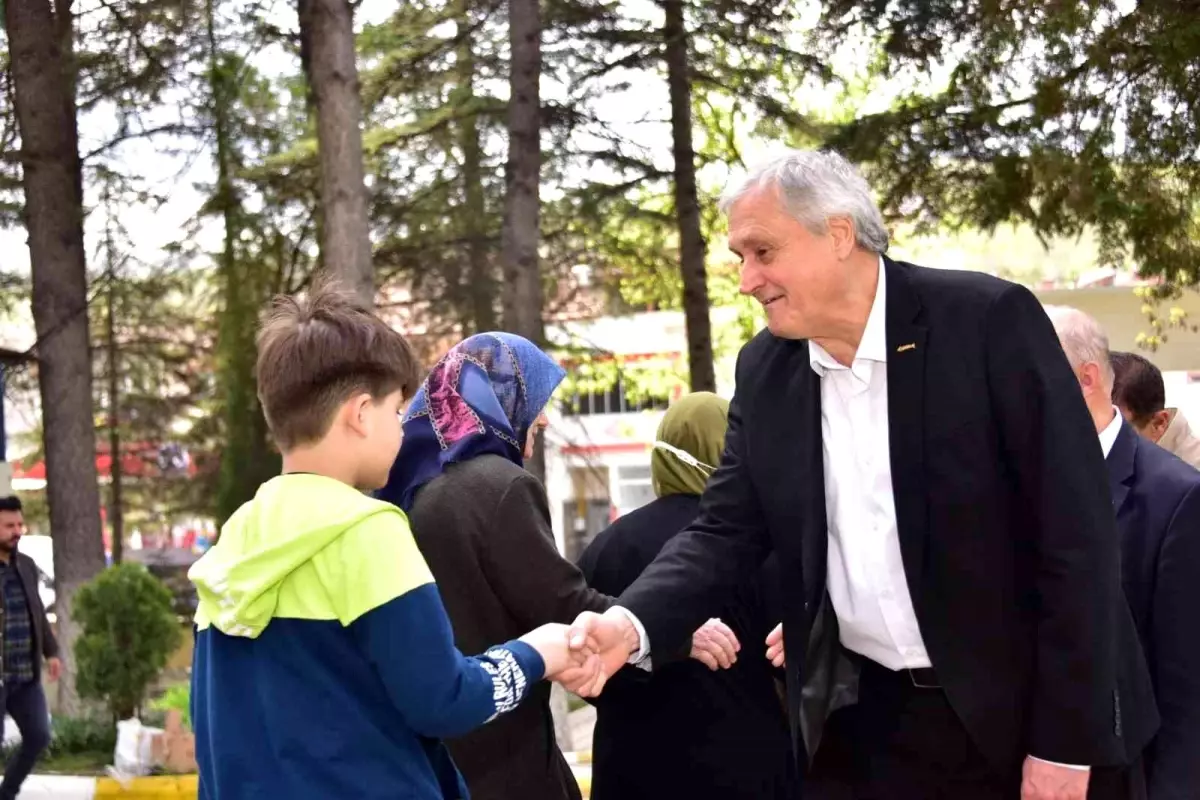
pixel 1068 117
pixel 78 745
pixel 128 633
pixel 177 698
pixel 76 735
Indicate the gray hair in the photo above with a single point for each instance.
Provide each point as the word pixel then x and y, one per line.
pixel 1083 340
pixel 814 186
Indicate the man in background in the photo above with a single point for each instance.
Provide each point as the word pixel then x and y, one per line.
pixel 25 639
pixel 1139 393
pixel 1157 502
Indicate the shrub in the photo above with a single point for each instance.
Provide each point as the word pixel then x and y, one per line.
pixel 177 698
pixel 128 633
pixel 76 735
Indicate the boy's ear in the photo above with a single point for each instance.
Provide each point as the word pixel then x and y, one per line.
pixel 357 413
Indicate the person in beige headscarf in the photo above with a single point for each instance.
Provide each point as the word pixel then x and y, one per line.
pixel 687 731
pixel 1139 392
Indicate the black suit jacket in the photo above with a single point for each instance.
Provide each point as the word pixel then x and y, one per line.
pixel 1157 498
pixel 1004 515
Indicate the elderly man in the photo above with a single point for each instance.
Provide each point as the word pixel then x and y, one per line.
pixel 911 444
pixel 1141 396
pixel 1157 500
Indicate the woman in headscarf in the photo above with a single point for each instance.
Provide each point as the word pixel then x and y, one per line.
pixel 483 524
pixel 687 731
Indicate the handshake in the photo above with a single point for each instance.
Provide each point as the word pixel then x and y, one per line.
pixel 583 656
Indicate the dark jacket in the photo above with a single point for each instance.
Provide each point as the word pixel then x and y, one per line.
pixel 1004 513
pixel 484 528
pixel 686 731
pixel 43 636
pixel 1157 498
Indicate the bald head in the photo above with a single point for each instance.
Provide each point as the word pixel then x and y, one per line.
pixel 1084 341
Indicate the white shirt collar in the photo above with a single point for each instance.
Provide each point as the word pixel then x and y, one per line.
pixel 1108 436
pixel 873 346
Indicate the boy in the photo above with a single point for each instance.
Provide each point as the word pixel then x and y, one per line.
pixel 324 664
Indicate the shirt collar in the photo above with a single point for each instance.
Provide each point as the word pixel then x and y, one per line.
pixel 873 346
pixel 1108 436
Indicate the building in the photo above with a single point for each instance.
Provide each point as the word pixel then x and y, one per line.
pixel 598 445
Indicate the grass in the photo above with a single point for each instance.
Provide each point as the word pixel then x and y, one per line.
pixel 87 763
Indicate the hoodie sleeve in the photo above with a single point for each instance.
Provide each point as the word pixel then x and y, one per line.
pixel 385 594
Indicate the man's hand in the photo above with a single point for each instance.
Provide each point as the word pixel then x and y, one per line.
pixel 714 645
pixel 54 668
pixel 611 636
pixel 575 669
pixel 775 652
pixel 1045 781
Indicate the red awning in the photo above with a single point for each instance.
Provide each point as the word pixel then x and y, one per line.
pixel 140 460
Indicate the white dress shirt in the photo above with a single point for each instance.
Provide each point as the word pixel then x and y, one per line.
pixel 866 578
pixel 1108 436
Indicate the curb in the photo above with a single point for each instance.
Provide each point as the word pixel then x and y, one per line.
pixel 180 786
pixel 186 787
pixel 64 787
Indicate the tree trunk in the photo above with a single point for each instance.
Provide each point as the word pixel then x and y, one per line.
pixel 327 27
pixel 43 77
pixel 687 204
pixel 482 289
pixel 522 278
pixel 247 459
pixel 520 237
pixel 116 515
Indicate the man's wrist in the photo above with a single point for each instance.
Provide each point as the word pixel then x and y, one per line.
pixel 631 633
pixel 1077 767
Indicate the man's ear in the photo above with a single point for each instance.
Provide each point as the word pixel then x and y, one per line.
pixel 1090 379
pixel 841 231
pixel 1159 422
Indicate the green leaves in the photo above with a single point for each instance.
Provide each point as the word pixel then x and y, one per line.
pixel 1064 116
pixel 128 633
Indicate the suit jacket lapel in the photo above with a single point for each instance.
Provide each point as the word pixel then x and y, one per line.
pixel 1120 463
pixel 906 350
pixel 802 480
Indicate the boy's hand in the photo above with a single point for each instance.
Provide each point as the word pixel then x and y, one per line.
pixel 562 663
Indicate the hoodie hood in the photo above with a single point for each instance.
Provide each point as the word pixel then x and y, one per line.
pixel 291 520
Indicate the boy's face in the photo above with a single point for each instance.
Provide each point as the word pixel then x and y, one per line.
pixel 383 434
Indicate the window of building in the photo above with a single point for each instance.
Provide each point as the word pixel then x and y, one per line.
pixel 616 400
pixel 634 487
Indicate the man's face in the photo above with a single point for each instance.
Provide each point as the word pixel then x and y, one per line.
pixel 793 272
pixel 12 526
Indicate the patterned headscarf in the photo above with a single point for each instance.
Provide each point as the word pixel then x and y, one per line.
pixel 482 397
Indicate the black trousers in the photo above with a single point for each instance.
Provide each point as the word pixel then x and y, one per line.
pixel 26 703
pixel 901 742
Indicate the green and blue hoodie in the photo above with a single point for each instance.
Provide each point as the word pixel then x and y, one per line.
pixel 325 665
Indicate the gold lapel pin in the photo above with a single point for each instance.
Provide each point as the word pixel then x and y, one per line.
pixel 909 346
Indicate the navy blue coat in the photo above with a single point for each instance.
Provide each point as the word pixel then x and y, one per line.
pixel 1157 500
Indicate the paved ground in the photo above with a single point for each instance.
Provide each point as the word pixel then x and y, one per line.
pixel 45 787
pixel 582 723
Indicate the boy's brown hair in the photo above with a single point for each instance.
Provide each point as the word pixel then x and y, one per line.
pixel 316 353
